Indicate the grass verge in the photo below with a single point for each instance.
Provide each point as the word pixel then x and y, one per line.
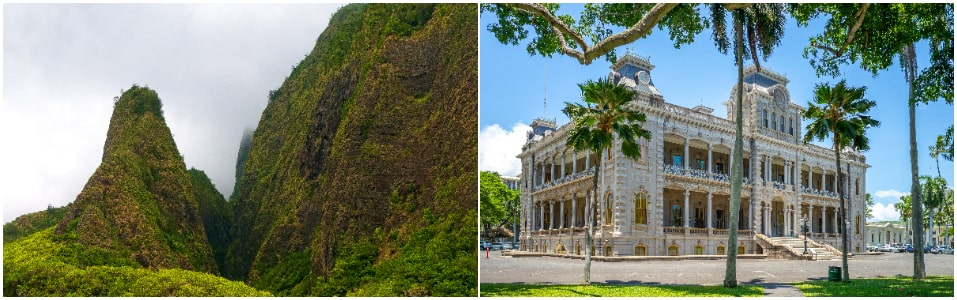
pixel 608 290
pixel 932 286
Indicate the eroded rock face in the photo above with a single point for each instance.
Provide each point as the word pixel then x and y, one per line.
pixel 372 130
pixel 140 203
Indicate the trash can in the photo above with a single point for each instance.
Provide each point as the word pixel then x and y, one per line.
pixel 834 273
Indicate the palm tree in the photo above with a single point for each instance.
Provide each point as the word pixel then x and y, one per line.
pixel 764 26
pixel 596 125
pixel 904 208
pixel 934 191
pixel 939 148
pixel 840 113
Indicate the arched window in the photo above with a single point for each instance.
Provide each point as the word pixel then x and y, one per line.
pixel 608 208
pixel 607 250
pixel 641 208
pixel 641 250
pixel 764 116
pixel 698 250
pixel 781 123
pixel 740 250
pixel 857 187
pixel 857 224
pixel 673 250
pixel 721 250
pixel 774 121
pixel 578 248
pixel 791 126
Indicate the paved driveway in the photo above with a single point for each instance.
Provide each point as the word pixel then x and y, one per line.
pixel 553 270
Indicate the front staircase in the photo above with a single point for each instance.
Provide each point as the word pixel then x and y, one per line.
pixel 791 247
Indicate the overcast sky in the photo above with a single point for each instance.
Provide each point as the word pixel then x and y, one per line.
pixel 212 66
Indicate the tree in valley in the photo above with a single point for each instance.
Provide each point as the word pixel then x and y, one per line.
pixel 840 112
pixel 596 125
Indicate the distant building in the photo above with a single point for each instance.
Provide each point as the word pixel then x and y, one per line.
pixel 675 199
pixel 511 182
pixel 899 232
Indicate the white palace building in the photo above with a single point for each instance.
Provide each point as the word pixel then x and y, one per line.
pixel 675 199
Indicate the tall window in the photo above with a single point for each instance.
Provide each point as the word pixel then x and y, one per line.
pixel 721 250
pixel 791 126
pixel 740 250
pixel 673 250
pixel 608 209
pixel 781 123
pixel 641 250
pixel 774 121
pixel 764 116
pixel 857 187
pixel 641 208
pixel 676 215
pixel 857 225
pixel 698 250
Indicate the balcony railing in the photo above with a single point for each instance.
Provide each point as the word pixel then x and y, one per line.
pixel 778 185
pixel 702 231
pixel 701 173
pixel 568 178
pixel 808 190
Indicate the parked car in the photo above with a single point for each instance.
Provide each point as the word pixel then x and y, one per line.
pixel 872 248
pixel 484 245
pixel 507 246
pixel 909 248
pixel 926 249
pixel 946 250
pixel 901 248
pixel 886 248
pixel 496 246
pixel 935 249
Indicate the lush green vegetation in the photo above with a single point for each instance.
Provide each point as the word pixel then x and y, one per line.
pixel 498 204
pixel 932 286
pixel 216 213
pixel 33 222
pixel 43 265
pixel 360 177
pixel 607 290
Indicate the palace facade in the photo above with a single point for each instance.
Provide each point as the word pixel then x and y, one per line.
pixel 675 199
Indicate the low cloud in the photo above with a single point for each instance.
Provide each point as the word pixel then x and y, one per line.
pixel 884 212
pixel 891 193
pixel 498 148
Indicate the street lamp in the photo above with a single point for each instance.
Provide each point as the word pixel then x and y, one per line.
pixel 804 229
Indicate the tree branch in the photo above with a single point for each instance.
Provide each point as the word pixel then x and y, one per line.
pixel 589 53
pixel 851 33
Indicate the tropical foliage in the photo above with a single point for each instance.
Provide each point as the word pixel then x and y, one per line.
pixel 605 116
pixel 494 198
pixel 46 265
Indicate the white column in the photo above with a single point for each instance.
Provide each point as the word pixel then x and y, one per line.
pixel 542 213
pixel 551 214
pixel 708 218
pixel 574 210
pixel 810 217
pixel 574 162
pixel 686 157
pixel 810 178
pixel 561 207
pixel 687 193
pixel 543 173
pixel 563 164
pixel 787 174
pixel 587 160
pixel 709 167
pixel 552 176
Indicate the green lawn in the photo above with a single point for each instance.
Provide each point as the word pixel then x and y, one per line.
pixel 607 290
pixel 933 286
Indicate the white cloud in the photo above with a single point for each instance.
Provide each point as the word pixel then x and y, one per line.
pixel 498 148
pixel 891 193
pixel 884 212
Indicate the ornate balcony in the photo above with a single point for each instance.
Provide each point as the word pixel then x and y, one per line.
pixel 568 178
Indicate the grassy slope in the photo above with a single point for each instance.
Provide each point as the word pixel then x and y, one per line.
pixel 46 264
pixel 369 144
pixel 32 223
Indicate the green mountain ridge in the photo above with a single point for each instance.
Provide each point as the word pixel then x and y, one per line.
pixel 359 180
pixel 385 106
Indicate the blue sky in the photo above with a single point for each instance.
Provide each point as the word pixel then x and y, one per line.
pixel 513 86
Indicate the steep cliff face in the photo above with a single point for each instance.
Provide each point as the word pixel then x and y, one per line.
pixel 217 214
pixel 140 203
pixel 370 143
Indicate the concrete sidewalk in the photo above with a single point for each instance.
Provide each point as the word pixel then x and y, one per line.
pixel 781 290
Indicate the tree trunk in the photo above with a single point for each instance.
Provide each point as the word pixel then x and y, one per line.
pixel 840 194
pixel 737 166
pixel 589 218
pixel 910 71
